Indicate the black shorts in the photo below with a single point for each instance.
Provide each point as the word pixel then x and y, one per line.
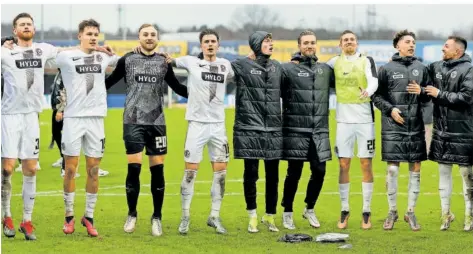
pixel 138 136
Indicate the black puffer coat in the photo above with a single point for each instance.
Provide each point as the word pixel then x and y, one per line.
pixel 306 88
pixel 402 143
pixel 257 133
pixel 452 139
pixel 56 89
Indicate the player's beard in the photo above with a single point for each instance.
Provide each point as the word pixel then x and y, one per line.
pixel 350 50
pixel 307 53
pixel 25 36
pixel 149 47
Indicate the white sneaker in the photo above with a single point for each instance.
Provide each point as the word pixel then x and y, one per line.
pixel 156 227
pixel 184 226
pixel 216 222
pixel 58 163
pixel 310 216
pixel 63 172
pixel 287 221
pixel 103 172
pixel 446 220
pixel 130 224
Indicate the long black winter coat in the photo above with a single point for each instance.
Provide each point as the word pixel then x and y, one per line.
pixel 452 139
pixel 257 133
pixel 402 143
pixel 306 89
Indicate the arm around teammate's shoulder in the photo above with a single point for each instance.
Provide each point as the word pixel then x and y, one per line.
pixel 174 83
pixel 118 73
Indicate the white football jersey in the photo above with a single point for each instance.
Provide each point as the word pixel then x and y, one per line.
pixel 23 75
pixel 83 76
pixel 206 86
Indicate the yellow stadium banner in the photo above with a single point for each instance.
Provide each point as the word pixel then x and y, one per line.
pixel 327 49
pixel 174 48
pixel 282 50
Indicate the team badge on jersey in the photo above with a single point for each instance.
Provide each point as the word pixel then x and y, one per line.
pixel 320 71
pixel 454 74
pixel 415 72
pixel 255 72
pixel 39 52
pixel 223 68
pixel 99 58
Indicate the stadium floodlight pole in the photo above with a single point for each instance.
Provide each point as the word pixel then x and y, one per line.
pixel 42 23
pixel 70 22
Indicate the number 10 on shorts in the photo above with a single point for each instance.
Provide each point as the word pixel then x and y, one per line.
pixel 161 142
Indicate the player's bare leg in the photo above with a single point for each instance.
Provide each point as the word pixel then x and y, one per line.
pixel 91 189
pixel 391 187
pixel 71 164
pixel 467 177
pixel 8 166
pixel 132 185
pixel 217 191
pixel 187 192
pixel 157 190
pixel 367 189
pixel 344 190
pixel 413 194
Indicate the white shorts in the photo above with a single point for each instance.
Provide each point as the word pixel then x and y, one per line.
pixel 83 132
pixel 364 135
pixel 213 134
pixel 20 136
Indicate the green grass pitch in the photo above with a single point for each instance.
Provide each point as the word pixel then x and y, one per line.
pixel 111 209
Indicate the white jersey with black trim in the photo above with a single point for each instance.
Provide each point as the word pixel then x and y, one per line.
pixel 361 112
pixel 23 75
pixel 206 86
pixel 83 76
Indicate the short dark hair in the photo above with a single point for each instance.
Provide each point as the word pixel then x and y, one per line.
pixel 88 22
pixel 22 15
pixel 348 32
pixel 208 32
pixel 306 32
pixel 459 40
pixel 399 35
pixel 145 25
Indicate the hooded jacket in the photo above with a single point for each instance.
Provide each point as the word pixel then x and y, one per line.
pixel 306 91
pixel 452 139
pixel 402 143
pixel 257 133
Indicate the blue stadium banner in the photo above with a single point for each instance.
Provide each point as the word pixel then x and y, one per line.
pixel 381 51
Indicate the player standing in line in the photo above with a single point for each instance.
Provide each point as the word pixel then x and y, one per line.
pixel 23 72
pixel 257 132
pixel 143 120
pixel 83 74
pixel 399 97
pixel 206 84
pixel 58 102
pixel 305 93
pixel 452 141
pixel 355 81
